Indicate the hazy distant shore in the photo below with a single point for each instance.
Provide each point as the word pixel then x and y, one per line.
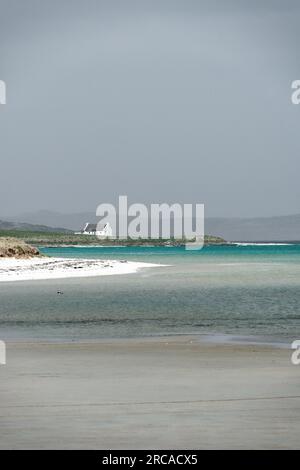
pixel 13 269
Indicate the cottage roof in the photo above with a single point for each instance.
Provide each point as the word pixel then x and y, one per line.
pixel 94 227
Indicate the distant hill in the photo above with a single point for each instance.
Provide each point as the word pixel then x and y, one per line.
pixel 278 228
pixel 72 222
pixel 4 225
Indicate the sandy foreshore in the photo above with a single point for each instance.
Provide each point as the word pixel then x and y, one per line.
pixel 170 392
pixel 12 269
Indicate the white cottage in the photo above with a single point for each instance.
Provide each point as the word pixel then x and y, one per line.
pixel 97 230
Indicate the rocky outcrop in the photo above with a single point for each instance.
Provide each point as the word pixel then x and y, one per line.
pixel 14 248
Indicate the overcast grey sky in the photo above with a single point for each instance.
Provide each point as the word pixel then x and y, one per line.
pixel 171 101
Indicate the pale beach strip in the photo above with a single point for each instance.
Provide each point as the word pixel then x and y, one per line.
pixel 12 269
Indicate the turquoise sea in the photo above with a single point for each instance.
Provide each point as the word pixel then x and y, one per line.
pixel 229 291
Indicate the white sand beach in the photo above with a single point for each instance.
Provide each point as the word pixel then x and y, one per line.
pixel 151 393
pixel 14 269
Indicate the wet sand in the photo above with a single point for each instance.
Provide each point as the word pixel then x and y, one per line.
pixel 151 393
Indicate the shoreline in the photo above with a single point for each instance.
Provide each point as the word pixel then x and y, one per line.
pixel 213 339
pixel 46 268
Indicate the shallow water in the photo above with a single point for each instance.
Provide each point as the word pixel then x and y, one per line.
pixel 232 290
